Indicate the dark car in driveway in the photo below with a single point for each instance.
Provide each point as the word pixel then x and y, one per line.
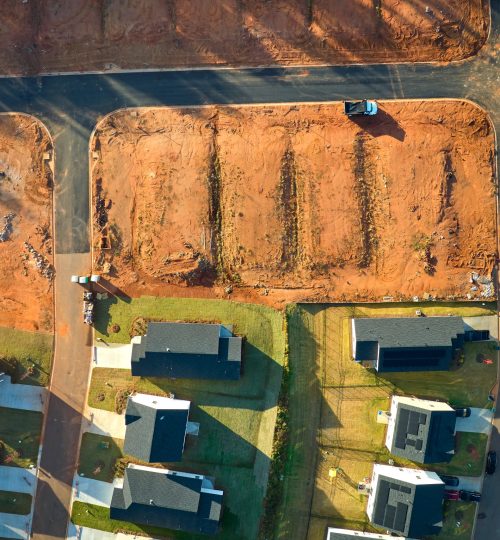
pixel 465 412
pixel 491 462
pixel 470 496
pixel 451 481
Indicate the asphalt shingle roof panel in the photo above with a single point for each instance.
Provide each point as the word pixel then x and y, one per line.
pixel 155 435
pixel 166 499
pixel 411 332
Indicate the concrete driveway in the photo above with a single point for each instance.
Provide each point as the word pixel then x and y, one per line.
pixel 105 423
pixel 488 322
pixel 17 479
pixel 14 526
pixel 21 396
pixel 97 492
pixel 478 422
pixel 75 532
pixel 112 355
pixel 470 483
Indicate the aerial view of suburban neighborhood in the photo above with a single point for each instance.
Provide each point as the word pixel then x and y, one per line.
pixel 249 269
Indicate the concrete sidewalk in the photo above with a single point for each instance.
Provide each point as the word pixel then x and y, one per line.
pixel 96 492
pixel 14 526
pixel 17 479
pixel 107 423
pixel 21 396
pixel 478 422
pixel 112 355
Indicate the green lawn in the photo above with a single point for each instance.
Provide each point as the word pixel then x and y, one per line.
pixel 15 503
pixel 333 403
pixel 20 436
pixel 458 521
pixel 31 351
pixel 469 456
pixel 236 418
pixel 98 455
pixel 454 385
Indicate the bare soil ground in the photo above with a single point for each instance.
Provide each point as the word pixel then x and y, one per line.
pixel 66 35
pixel 26 293
pixel 285 203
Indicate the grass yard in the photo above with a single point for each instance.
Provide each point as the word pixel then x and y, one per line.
pixel 456 512
pixel 12 502
pixel 469 456
pixel 342 418
pixel 20 436
pixel 236 418
pixel 98 455
pixel 26 356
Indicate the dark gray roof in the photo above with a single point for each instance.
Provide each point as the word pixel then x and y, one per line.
pixel 167 499
pixel 409 331
pixel 422 435
pixel 187 350
pixel 154 435
pixel 352 535
pixel 408 509
pixel 184 338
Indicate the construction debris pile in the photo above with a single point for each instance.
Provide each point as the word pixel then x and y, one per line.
pixel 482 285
pixel 41 263
pixel 7 228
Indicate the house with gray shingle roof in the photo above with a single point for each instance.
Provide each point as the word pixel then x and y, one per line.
pixel 187 351
pixel 406 501
pixel 407 343
pixel 163 498
pixel 156 428
pixel 421 430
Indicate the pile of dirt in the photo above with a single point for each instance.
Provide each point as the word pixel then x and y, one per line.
pixel 94 35
pixel 280 203
pixel 26 247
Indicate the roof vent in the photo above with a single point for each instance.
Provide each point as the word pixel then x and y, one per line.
pixel 168 349
pixel 162 417
pixel 154 402
pixel 151 502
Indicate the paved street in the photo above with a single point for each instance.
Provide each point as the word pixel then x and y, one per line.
pixel 70 105
pixel 68 391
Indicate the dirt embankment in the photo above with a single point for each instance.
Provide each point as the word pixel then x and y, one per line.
pixel 26 246
pixel 67 35
pixel 282 203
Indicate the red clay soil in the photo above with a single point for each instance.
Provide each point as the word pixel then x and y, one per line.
pixel 284 203
pixel 72 35
pixel 26 295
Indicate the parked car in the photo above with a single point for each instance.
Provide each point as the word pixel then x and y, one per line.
pixel 452 494
pixel 472 496
pixel 491 462
pixel 463 413
pixel 452 481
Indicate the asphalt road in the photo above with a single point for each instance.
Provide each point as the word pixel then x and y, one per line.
pixel 70 106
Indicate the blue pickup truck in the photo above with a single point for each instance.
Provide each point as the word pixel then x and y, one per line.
pixel 361 107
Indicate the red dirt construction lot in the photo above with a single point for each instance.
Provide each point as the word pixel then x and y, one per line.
pixel 74 35
pixel 285 203
pixel 26 271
